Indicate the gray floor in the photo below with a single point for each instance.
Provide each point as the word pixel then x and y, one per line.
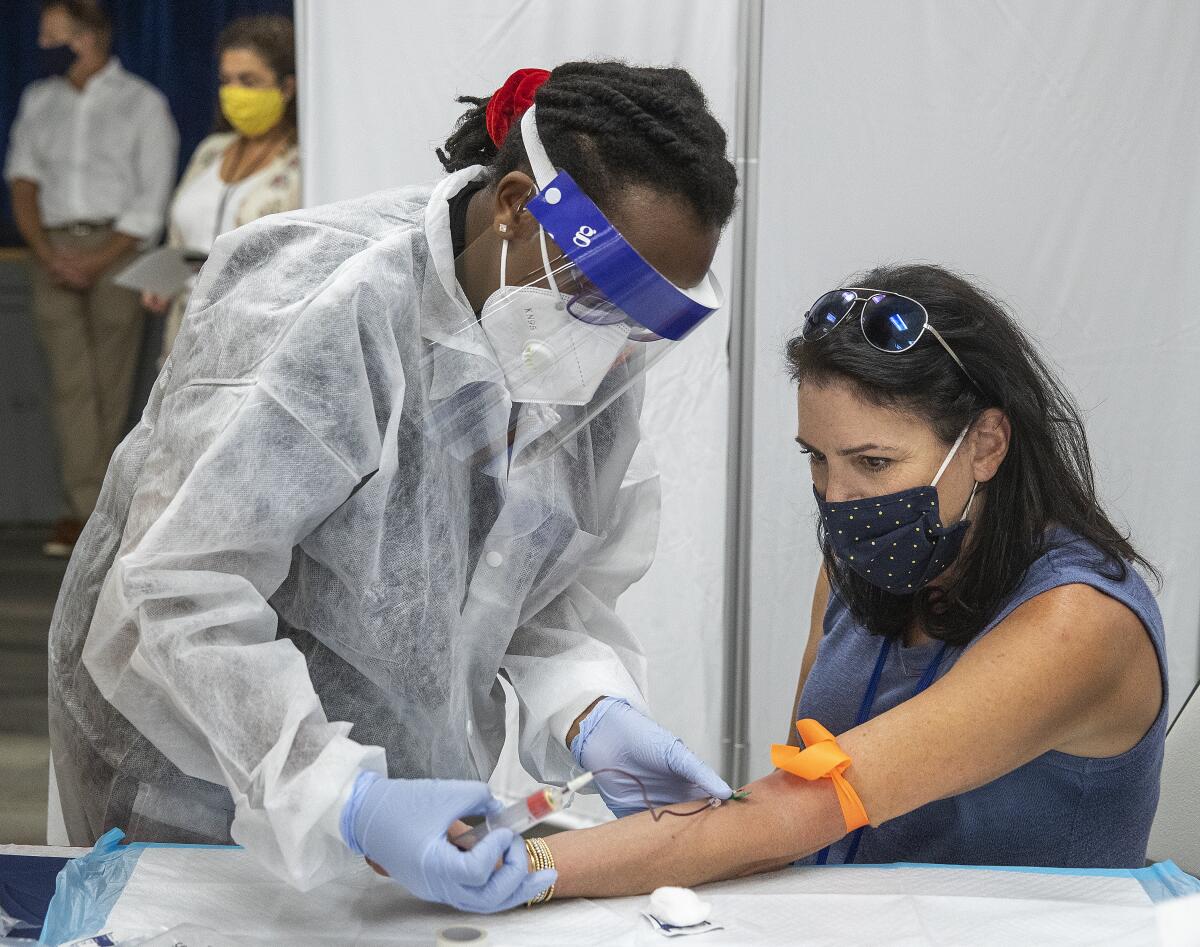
pixel 28 587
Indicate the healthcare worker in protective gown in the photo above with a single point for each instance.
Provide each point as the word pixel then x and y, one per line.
pixel 395 457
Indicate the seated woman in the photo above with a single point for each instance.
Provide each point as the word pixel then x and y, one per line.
pixel 991 662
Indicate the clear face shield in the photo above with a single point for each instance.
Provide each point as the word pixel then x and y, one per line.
pixel 572 338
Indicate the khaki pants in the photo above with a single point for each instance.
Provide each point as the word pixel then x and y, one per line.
pixel 92 340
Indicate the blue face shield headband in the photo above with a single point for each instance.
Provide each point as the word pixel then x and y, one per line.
pixel 615 283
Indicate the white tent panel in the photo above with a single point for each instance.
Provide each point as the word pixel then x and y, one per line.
pixel 1048 149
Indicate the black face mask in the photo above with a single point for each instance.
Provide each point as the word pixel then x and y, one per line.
pixel 57 60
pixel 882 552
pixel 895 542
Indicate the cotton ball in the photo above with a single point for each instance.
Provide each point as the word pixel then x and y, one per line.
pixel 679 907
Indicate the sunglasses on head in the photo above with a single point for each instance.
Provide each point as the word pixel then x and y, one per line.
pixel 890 322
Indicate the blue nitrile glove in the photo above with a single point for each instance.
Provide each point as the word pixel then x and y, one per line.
pixel 616 736
pixel 401 825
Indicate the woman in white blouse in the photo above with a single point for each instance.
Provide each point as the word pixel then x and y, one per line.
pixel 250 167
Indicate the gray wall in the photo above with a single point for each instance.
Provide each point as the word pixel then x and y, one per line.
pixel 29 488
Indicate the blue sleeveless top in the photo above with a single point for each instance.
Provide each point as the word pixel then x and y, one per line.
pixel 1058 810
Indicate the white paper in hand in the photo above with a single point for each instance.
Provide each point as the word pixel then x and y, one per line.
pixel 163 272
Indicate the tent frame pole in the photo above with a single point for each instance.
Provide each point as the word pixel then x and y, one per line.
pixel 738 506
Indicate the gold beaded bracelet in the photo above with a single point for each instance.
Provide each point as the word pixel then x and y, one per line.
pixel 539 859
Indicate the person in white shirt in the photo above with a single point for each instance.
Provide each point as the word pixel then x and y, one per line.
pixel 250 166
pixel 91 161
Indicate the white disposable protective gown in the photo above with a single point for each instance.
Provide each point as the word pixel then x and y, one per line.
pixel 310 556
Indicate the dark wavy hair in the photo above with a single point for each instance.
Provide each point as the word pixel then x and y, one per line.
pixel 611 124
pixel 272 38
pixel 1045 480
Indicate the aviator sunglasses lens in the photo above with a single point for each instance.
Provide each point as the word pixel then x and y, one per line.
pixel 892 323
pixel 826 313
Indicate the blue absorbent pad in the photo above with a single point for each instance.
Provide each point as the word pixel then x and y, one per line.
pixel 1161 881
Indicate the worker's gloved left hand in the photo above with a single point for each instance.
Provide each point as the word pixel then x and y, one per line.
pixel 616 736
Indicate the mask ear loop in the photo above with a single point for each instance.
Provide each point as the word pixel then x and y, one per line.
pixel 547 268
pixel 503 263
pixel 549 271
pixel 970 500
pixel 949 457
pixel 946 463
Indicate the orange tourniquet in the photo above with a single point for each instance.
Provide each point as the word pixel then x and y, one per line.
pixel 821 758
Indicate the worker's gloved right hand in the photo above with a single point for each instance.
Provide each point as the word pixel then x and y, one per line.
pixel 652 764
pixel 401 824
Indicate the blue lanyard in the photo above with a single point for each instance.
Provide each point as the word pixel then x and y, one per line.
pixel 864 713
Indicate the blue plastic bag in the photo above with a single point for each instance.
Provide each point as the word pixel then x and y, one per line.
pixel 88 887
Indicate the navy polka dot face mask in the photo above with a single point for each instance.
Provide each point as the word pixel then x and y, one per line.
pixel 896 542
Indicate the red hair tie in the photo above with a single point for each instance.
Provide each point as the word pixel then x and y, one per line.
pixel 510 101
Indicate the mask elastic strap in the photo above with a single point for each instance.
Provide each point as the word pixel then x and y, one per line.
pixel 970 500
pixel 950 456
pixel 546 260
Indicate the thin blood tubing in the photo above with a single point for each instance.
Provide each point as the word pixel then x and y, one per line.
pixel 655 815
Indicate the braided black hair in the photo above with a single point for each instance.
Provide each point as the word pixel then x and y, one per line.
pixel 611 124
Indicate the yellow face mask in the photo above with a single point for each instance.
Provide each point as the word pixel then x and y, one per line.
pixel 252 112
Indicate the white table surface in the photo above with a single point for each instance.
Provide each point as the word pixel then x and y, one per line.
pixel 228 892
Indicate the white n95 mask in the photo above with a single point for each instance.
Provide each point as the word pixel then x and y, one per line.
pixel 548 356
pixel 571 350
